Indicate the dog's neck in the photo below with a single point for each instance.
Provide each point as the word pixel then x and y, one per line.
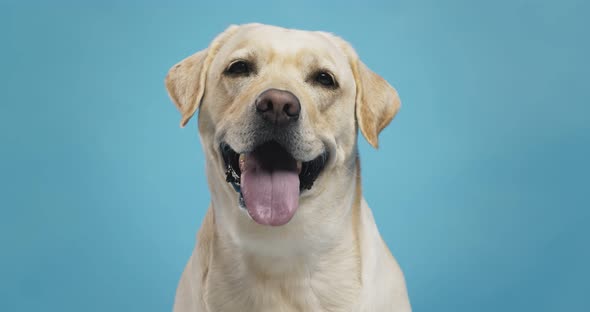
pixel 311 263
pixel 325 227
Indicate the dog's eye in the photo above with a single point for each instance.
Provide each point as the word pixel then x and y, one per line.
pixel 325 79
pixel 239 68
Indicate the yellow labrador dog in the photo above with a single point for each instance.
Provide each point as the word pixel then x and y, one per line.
pixel 288 228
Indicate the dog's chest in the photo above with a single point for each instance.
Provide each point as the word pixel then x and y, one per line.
pixel 322 293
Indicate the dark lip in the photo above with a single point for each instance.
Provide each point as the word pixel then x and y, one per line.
pixel 310 170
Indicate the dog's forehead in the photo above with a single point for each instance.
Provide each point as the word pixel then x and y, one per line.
pixel 284 42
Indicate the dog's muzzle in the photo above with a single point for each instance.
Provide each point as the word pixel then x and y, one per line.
pixel 267 177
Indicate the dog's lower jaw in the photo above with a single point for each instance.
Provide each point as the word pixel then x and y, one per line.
pixel 312 231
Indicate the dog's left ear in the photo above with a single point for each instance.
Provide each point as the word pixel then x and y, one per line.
pixel 185 83
pixel 377 102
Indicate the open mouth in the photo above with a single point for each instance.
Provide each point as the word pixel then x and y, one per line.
pixel 269 180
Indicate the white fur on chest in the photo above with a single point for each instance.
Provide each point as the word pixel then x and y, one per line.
pixel 317 293
pixel 295 280
pixel 340 281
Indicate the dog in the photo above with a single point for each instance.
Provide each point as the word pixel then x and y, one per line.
pixel 288 228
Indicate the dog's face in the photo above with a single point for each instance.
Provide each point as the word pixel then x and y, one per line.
pixel 278 117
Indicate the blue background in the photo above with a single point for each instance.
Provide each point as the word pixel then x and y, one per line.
pixel 480 186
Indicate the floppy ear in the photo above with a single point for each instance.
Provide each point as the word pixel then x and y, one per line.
pixel 186 84
pixel 377 102
pixel 186 80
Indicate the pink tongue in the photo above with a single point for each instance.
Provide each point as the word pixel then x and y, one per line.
pixel 271 196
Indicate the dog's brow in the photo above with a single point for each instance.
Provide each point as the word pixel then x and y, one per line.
pixel 245 54
pixel 308 58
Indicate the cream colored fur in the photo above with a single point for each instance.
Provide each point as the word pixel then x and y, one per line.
pixel 330 256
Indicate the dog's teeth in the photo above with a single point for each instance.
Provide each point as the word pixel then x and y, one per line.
pixel 242 161
pixel 299 165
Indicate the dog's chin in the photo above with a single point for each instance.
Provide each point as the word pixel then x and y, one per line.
pixel 269 180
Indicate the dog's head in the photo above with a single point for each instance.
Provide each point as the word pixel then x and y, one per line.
pixel 279 111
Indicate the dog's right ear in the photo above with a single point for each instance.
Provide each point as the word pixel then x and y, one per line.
pixel 186 80
pixel 186 84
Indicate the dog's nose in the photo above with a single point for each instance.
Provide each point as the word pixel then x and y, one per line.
pixel 279 107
